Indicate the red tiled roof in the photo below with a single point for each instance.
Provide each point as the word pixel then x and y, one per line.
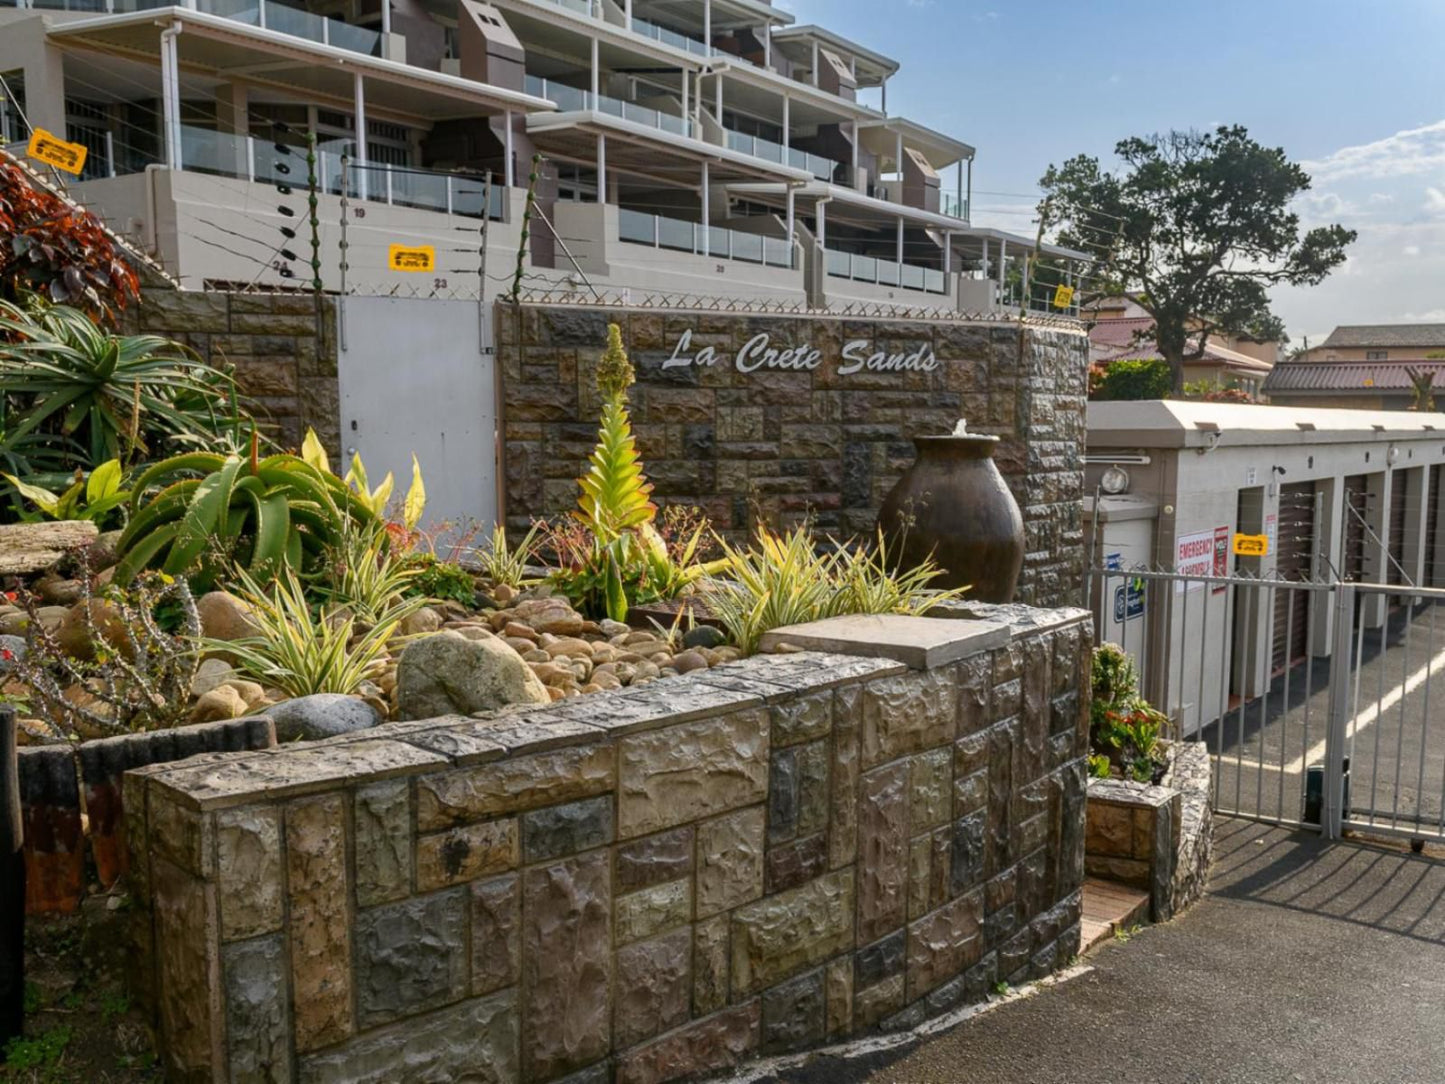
pixel 1128 337
pixel 1349 376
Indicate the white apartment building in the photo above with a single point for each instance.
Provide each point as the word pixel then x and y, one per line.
pixel 705 147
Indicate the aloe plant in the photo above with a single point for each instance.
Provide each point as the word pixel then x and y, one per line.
pixel 214 511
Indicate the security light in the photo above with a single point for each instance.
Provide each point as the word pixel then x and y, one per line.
pixel 1114 481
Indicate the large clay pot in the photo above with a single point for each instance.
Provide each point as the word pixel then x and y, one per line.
pixel 954 506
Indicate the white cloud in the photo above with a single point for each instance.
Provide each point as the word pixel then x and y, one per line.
pixel 1411 250
pixel 1410 151
pixel 1434 201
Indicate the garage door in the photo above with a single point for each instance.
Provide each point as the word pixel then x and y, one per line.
pixel 1357 514
pixel 1294 561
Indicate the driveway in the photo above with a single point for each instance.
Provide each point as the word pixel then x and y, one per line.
pixel 1307 961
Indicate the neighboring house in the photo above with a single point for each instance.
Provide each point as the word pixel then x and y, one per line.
pixel 708 148
pixel 1122 329
pixel 1363 366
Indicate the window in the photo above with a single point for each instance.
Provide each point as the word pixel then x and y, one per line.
pixel 1376 355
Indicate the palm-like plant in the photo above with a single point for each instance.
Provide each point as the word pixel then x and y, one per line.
pixel 109 396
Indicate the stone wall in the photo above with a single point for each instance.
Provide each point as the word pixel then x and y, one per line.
pixel 784 444
pixel 282 346
pixel 634 886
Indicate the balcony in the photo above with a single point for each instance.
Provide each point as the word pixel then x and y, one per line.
pixel 571 99
pixel 825 169
pixel 681 235
pixel 907 276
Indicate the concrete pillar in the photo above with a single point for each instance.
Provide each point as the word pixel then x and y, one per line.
pixel 792 219
pixel 686 108
pixel 601 168
pixel 596 76
pixel 815 63
pixel 359 118
pixel 706 210
pixel 509 167
pixel 707 27
pixel 44 85
pixel 787 124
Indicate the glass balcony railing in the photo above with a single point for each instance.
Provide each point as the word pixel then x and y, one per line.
pixel 669 37
pixel 263 13
pixel 571 99
pixel 953 206
pixel 678 234
pixel 859 268
pixel 825 169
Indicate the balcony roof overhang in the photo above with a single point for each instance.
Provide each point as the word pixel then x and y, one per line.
pixel 726 14
pixel 231 50
pixel 880 138
pixel 873 67
pixel 640 150
pixel 817 103
pixel 544 26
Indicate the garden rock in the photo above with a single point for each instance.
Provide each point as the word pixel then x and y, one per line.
pixel 72 631
pixel 58 592
pixel 446 673
pixel 13 620
pixel 689 661
pixel 423 621
pixel 222 702
pixel 704 636
pixel 252 693
pixel 209 674
pixel 225 617
pixel 321 715
pixel 49 617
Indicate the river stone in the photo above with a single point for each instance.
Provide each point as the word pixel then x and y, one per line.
pixel 209 674
pixel 222 702
pixel 446 674
pixel 225 617
pixel 321 715
pixel 704 636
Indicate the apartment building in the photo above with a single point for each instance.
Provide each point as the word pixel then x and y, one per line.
pixel 705 147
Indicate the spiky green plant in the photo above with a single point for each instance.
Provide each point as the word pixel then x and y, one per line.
pixel 363 576
pixel 504 561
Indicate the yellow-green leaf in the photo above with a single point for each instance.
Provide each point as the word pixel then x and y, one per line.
pixel 43 499
pixel 103 482
pixel 415 502
pixel 313 453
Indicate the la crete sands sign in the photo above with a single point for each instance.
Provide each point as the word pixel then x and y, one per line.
pixel 759 353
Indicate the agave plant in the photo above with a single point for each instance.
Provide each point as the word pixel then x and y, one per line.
pixel 109 395
pixel 214 512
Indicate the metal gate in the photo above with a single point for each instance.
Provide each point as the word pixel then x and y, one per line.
pixel 1343 739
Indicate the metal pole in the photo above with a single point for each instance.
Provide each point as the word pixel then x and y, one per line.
pixel 482 267
pixel 592 104
pixel 706 212
pixel 12 886
pixel 508 169
pixel 601 168
pixel 1339 711
pixel 359 104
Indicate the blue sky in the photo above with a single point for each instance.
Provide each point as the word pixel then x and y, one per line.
pixel 1354 90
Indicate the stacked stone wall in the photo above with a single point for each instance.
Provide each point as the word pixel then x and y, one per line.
pixel 633 887
pixel 781 445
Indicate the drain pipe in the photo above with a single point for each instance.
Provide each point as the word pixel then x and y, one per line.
pixel 819 296
pixel 171 88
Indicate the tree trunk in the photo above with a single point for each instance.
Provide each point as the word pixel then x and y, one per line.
pixel 1172 339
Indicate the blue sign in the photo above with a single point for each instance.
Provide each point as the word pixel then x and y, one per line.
pixel 1128 596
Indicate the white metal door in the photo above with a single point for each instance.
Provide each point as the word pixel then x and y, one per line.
pixel 416 376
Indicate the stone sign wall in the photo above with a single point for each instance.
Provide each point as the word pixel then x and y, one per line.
pixel 635 886
pixel 785 416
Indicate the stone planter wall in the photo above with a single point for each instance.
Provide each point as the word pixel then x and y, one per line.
pixel 1155 838
pixel 634 886
pixel 814 442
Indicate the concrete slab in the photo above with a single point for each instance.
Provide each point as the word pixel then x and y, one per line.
pixel 921 643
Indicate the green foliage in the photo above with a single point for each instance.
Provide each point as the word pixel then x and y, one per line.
pixel 1134 378
pixel 440 581
pixel 1202 225
pixel 784 580
pixel 505 563
pixel 301 652
pixel 94 497
pixel 1099 766
pixel 76 395
pixel 362 576
pixel 38 1055
pixel 374 499
pixel 213 512
pixel 1124 730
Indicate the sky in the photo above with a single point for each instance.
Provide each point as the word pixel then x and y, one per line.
pixel 1354 91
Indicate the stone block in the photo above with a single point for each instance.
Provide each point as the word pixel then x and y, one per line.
pixel 783 796
pixel 920 875
pixel 793 1014
pixel 652 910
pixel 843 784
pixel 969 841
pixel 382 826
pixel 710 965
pixel 496 935
pixel 654 987
pixel 653 859
pixel 883 851
pixel 838 995
pixel 922 643
pixel 508 786
pixel 880 960
pixel 464 854
pixel 805 718
pixel 187 940
pixel 410 956
pixel 790 864
pixel 876 1002
pixel 566 829
pixel 182 834
pixel 729 861
pixel 474 1040
pixel 780 935
pixel 812 771
pixel 975 681
pixel 566 965
pixel 248 866
pixel 682 773
pixel 320 924
pixel 709 1045
pixel 908 714
pixel 258 1024
pixel 970 793
pixel 944 943
pixel 930 776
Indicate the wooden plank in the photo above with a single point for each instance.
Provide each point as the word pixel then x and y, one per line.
pixel 34 547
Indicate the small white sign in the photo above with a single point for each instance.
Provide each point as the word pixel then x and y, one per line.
pixel 1251 476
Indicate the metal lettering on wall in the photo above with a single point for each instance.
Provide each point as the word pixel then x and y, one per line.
pixel 857 356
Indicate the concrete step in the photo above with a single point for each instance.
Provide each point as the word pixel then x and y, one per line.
pixel 1109 908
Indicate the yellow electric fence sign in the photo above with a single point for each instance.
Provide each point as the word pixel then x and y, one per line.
pixel 46 148
pixel 412 257
pixel 1251 545
pixel 1063 297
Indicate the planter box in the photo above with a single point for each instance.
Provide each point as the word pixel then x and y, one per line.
pixel 1154 838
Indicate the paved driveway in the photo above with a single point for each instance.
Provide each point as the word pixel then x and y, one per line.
pixel 1307 961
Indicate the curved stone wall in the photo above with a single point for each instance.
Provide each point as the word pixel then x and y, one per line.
pixel 635 886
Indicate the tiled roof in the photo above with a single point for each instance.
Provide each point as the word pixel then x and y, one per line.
pixel 1348 376
pixel 1121 331
pixel 1358 335
pixel 1128 337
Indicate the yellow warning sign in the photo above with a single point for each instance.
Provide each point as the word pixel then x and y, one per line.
pixel 412 257
pixel 1063 297
pixel 46 148
pixel 1251 545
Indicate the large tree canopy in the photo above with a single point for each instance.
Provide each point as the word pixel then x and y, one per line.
pixel 1198 226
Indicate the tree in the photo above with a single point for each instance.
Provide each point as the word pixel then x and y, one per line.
pixel 1133 378
pixel 1199 226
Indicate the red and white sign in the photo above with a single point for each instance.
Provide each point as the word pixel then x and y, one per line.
pixel 1198 554
pixel 1221 557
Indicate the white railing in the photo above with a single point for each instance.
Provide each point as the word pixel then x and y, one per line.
pixel 851 265
pixel 825 169
pixel 572 99
pixel 636 227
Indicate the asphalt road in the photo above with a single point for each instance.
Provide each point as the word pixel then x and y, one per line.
pixel 1306 961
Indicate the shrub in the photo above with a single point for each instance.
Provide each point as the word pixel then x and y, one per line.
pixel 440 581
pixel 1123 729
pixel 362 576
pixel 95 497
pixel 505 563
pixel 1142 378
